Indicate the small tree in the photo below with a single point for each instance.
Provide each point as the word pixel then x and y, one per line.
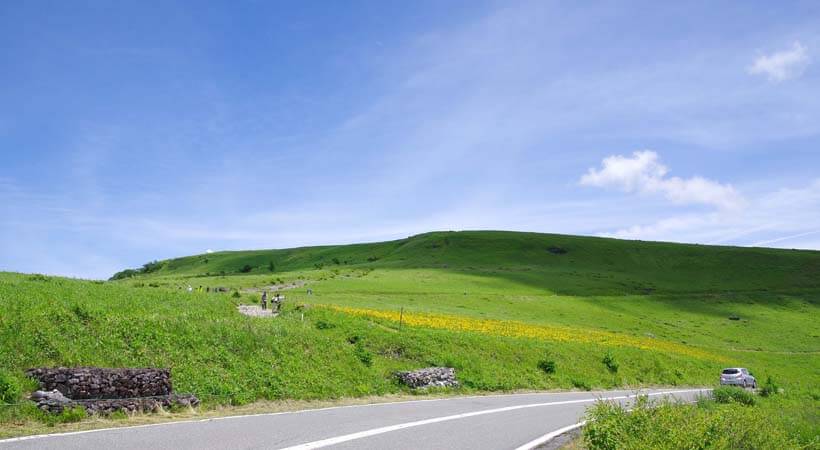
pixel 271 266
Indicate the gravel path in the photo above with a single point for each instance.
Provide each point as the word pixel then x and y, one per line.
pixel 255 311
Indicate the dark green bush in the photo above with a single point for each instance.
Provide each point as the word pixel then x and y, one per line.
pixel 733 394
pixel 152 266
pixel 769 388
pixel 324 325
pixel 610 362
pixel 83 315
pixel 68 415
pixel 246 268
pixel 581 384
pixel 547 365
pixel 9 389
pixel 38 277
pixel 236 294
pixel 364 355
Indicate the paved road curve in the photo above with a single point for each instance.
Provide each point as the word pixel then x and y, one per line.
pixel 485 422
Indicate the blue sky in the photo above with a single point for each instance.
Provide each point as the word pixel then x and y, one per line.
pixel 146 130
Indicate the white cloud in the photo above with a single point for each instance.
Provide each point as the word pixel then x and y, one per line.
pixel 782 65
pixel 644 173
pixel 209 251
pixel 787 218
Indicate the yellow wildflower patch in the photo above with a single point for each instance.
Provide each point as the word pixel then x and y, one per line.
pixel 520 329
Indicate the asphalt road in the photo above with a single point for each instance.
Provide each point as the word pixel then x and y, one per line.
pixel 484 422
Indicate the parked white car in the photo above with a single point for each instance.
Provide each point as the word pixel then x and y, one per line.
pixel 738 376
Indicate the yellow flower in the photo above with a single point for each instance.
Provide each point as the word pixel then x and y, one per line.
pixel 520 329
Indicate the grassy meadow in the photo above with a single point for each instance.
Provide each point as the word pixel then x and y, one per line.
pixel 510 311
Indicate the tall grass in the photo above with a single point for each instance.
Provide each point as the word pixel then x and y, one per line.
pixel 669 425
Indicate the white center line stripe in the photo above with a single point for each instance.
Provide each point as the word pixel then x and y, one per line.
pixel 418 423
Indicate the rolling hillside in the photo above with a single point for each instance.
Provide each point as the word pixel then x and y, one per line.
pixel 508 310
pixel 561 263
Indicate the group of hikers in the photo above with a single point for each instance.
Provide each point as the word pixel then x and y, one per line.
pixel 275 302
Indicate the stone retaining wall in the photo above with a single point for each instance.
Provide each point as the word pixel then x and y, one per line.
pixel 55 402
pixel 429 377
pixel 81 383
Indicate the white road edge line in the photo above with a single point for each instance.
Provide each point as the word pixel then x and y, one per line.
pixel 300 411
pixel 550 436
pixel 402 426
pixel 553 434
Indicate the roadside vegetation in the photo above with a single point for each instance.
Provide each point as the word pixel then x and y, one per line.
pixel 510 311
pixel 733 419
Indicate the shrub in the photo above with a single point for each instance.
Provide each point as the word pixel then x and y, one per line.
pixel 364 355
pixel 324 325
pixel 83 315
pixel 581 384
pixel 672 425
pixel 547 365
pixel 152 266
pixel 69 415
pixel 610 362
pixel 271 266
pixel 336 261
pixel 38 277
pixel 733 394
pixel 118 415
pixel 236 294
pixel 9 389
pixel 127 273
pixel 246 268
pixel 769 388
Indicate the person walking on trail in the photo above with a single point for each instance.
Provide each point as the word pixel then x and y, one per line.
pixel 265 300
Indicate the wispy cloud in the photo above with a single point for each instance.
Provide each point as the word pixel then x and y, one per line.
pixel 783 216
pixel 644 173
pixel 782 65
pixel 784 238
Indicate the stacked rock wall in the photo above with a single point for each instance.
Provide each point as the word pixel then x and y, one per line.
pixel 100 390
pixel 55 402
pixel 79 383
pixel 429 377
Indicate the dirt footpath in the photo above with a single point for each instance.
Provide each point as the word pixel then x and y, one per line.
pixel 255 311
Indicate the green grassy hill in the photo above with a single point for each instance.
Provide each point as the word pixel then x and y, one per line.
pixel 497 306
pixel 561 263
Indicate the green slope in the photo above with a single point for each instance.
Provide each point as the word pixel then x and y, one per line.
pixel 564 264
pixel 666 308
